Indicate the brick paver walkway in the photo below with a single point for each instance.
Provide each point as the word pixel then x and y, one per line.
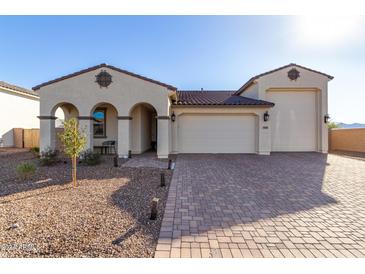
pixel 147 159
pixel 283 205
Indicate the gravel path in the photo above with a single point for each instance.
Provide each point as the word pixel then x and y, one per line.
pixel 107 215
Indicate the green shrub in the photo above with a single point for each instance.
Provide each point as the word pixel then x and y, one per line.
pixel 333 125
pixel 35 150
pixel 25 170
pixel 90 158
pixel 48 157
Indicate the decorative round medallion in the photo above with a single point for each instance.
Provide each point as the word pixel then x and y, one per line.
pixel 104 79
pixel 293 74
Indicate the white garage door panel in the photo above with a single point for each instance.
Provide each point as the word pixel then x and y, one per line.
pixel 293 121
pixel 216 133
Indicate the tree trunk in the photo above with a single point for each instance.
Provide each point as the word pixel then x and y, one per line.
pixel 74 171
pixel 74 161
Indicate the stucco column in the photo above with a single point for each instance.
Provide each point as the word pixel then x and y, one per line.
pixel 124 127
pixel 163 136
pixel 264 135
pixel 86 126
pixel 47 132
pixel 323 126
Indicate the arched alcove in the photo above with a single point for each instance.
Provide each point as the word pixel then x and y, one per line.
pixel 143 128
pixel 104 127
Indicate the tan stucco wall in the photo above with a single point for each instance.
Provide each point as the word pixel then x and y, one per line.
pixel 252 91
pixel 124 93
pixel 307 80
pixel 68 113
pixel 136 129
pixel 347 139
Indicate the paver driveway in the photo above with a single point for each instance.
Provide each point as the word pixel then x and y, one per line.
pixel 283 205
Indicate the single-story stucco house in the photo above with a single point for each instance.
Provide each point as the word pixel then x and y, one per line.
pixel 19 108
pixel 280 110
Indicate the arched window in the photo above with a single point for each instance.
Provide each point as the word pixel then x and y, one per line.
pixel 99 120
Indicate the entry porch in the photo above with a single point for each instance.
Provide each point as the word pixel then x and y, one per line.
pixel 109 133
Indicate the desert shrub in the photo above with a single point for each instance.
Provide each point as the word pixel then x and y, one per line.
pixel 90 158
pixel 333 125
pixel 48 157
pixel 25 170
pixel 35 150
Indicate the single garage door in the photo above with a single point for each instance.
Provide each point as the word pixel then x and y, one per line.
pixel 216 133
pixel 293 120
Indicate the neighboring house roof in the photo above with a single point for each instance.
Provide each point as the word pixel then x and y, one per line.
pixel 214 97
pixel 17 89
pixel 103 66
pixel 251 81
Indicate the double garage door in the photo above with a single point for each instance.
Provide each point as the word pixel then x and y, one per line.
pixel 217 133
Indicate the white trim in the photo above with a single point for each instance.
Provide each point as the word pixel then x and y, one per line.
pixel 22 94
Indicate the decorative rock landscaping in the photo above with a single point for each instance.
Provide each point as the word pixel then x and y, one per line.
pixel 107 215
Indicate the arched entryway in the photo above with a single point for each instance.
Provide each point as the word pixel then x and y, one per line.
pixel 143 129
pixel 104 128
pixel 61 113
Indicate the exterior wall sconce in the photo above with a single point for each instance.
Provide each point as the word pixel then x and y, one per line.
pixel 326 118
pixel 266 116
pixel 173 117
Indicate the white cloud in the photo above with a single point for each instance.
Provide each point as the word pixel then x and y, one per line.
pixel 327 31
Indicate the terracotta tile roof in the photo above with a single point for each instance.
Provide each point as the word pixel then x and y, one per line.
pixel 251 81
pixel 104 66
pixel 18 89
pixel 214 97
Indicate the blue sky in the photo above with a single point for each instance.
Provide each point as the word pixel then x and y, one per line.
pixel 210 52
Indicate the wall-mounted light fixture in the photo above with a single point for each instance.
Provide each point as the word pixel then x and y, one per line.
pixel 173 117
pixel 326 118
pixel 266 116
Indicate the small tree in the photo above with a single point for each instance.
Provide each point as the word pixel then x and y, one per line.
pixel 74 141
pixel 331 125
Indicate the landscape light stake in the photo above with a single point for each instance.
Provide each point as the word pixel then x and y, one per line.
pixel 162 184
pixel 154 209
pixel 129 154
pixel 116 161
pixel 169 165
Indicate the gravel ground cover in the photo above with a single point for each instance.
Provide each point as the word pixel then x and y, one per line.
pixel 107 215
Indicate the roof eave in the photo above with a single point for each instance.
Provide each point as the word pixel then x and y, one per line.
pixel 253 79
pixel 221 106
pixel 29 93
pixel 248 84
pixel 24 94
pixel 103 65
